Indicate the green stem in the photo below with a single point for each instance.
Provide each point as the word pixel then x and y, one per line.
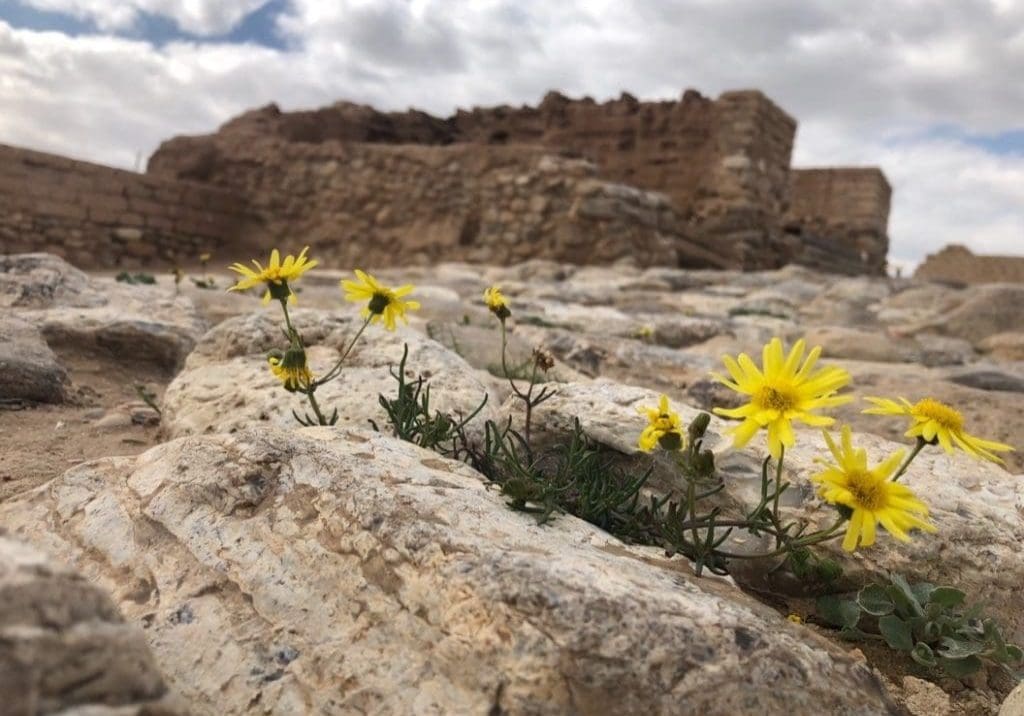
pixel 288 319
pixel 528 400
pixel 921 442
pixel 336 369
pixel 316 407
pixel 775 499
pixel 805 541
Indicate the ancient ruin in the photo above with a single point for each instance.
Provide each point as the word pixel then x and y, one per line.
pixel 695 182
pixel 957 264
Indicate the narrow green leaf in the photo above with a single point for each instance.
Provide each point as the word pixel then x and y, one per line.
pixel 959 668
pixel 1014 652
pixel 896 632
pixel 948 597
pixel 923 655
pixel 874 600
pixel 843 613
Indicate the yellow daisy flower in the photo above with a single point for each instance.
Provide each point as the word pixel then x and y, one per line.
pixel 293 377
pixel 497 302
pixel 870 493
pixel 383 303
pixel 933 422
pixel 785 391
pixel 664 427
pixel 275 275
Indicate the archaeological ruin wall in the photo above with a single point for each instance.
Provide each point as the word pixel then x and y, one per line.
pixel 839 218
pixel 697 182
pixel 722 164
pixel 372 204
pixel 98 217
pixel 957 265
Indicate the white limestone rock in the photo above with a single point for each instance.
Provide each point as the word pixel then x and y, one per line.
pixel 337 571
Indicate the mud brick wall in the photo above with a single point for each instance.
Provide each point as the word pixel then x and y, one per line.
pixel 844 211
pixel 99 217
pixel 957 265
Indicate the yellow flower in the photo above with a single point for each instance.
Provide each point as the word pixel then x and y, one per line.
pixel 664 427
pixel 644 332
pixel 933 421
pixel 795 618
pixel 382 302
pixel 784 392
pixel 870 494
pixel 294 378
pixel 276 275
pixel 497 302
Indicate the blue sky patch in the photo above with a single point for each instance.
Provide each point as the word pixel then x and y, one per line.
pixel 1010 142
pixel 258 27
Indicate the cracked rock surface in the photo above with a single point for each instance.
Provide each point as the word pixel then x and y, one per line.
pixel 340 571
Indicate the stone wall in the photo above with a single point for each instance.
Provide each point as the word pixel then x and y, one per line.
pixel 957 265
pixel 369 204
pixel 840 217
pixel 99 217
pixel 696 182
pixel 723 164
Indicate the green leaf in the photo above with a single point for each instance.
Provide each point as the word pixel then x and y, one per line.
pixel 874 600
pixel 923 655
pixel 896 632
pixel 903 596
pixel 948 597
pixel 1014 652
pixel 931 631
pixel 922 591
pixel 959 648
pixel 829 570
pixel 843 613
pixel 959 668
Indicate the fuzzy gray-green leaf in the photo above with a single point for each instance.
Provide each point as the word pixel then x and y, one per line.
pixel 842 613
pixel 874 600
pixel 959 668
pixel 959 648
pixel 947 597
pixel 923 655
pixel 896 632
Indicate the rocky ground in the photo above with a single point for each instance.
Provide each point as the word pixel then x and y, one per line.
pixel 273 569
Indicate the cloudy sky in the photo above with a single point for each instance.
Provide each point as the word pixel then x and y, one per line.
pixel 930 90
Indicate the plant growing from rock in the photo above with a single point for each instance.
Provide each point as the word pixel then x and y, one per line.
pixel 930 623
pixel 540 361
pixel 290 365
pixel 412 420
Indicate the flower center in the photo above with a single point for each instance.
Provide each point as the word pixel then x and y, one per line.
pixel 663 423
pixel 380 301
pixel 941 413
pixel 868 491
pixel 776 398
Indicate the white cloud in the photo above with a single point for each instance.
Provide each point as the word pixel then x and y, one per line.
pixel 868 80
